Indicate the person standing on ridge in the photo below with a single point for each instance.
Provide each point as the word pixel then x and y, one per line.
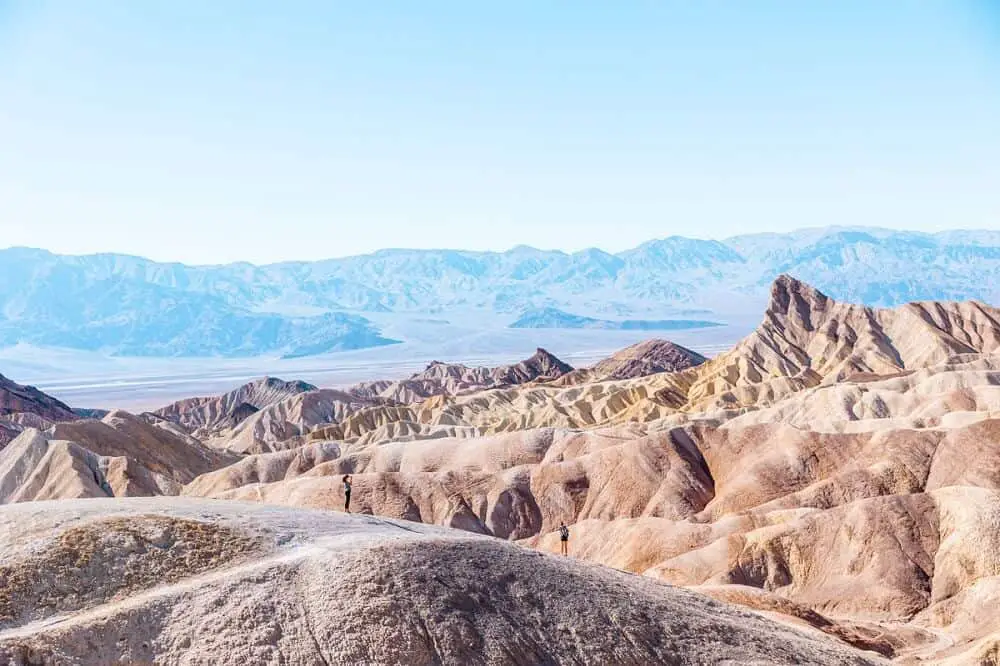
pixel 564 538
pixel 347 493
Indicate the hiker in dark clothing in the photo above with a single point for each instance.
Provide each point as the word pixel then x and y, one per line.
pixel 347 493
pixel 564 538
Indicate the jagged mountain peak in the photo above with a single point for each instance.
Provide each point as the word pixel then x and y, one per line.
pixel 542 365
pixel 646 358
pixel 785 287
pixel 808 339
pixel 546 359
pixel 791 297
pixel 206 415
pixel 275 383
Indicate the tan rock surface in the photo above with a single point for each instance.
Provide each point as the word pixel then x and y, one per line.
pixel 170 455
pixel 37 466
pixel 453 378
pixel 510 485
pixel 280 425
pixel 805 341
pixel 937 396
pixel 34 468
pixel 869 530
pixel 165 581
pixel 209 416
pixel 639 360
pixel 836 471
pixel 809 336
pixel 271 414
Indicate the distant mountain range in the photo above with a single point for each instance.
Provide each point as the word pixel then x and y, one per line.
pixel 132 306
pixel 556 318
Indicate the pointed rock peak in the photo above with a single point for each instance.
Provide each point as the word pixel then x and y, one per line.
pixel 789 294
pixel 207 414
pixel 119 415
pixel 545 359
pixel 437 370
pixel 277 383
pixel 659 345
pixel 646 358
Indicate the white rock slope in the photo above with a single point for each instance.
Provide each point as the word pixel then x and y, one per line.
pixel 175 581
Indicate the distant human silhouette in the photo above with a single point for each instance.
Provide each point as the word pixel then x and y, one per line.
pixel 347 493
pixel 564 538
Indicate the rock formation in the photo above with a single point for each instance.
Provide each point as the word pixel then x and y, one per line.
pixel 121 455
pixel 35 468
pixel 158 581
pixel 639 360
pixel 206 417
pixel 27 407
pixel 807 339
pixel 284 423
pixel 818 473
pixel 837 471
pixel 271 414
pixel 165 451
pixel 454 378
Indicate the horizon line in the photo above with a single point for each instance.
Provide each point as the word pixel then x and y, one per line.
pixel 517 247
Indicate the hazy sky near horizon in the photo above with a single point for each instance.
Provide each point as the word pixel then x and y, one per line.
pixel 219 131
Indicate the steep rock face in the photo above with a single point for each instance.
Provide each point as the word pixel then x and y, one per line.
pixel 238 583
pixel 513 485
pixel 26 407
pixel 170 457
pixel 645 358
pixel 542 365
pixel 877 528
pixel 454 378
pixel 15 398
pixel 205 417
pixel 35 468
pixel 282 424
pixel 807 336
pixel 806 341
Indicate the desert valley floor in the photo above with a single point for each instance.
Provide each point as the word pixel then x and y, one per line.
pixel 827 491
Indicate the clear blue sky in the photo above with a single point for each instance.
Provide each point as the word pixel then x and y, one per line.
pixel 216 131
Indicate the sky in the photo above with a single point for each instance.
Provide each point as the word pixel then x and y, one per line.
pixel 210 132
